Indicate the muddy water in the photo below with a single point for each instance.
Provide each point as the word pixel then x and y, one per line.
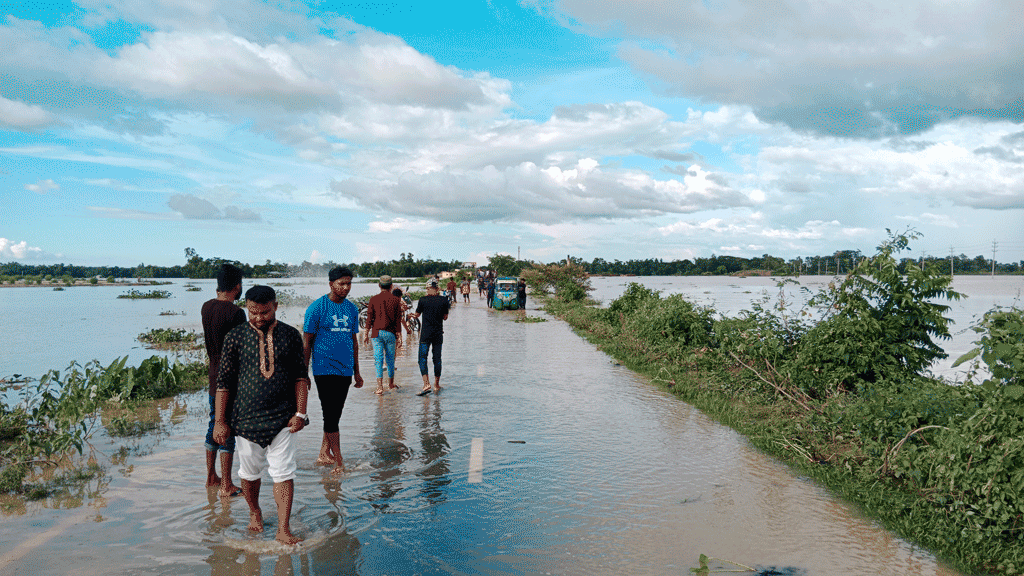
pixel 583 469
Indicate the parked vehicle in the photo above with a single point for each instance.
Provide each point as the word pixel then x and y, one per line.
pixel 506 295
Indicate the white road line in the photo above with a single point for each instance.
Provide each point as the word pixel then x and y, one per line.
pixel 476 461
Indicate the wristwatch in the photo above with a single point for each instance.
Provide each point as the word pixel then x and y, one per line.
pixel 305 419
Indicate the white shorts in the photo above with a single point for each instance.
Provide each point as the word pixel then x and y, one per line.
pixel 279 457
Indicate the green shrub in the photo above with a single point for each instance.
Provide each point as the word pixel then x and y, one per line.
pixel 878 324
pixel 670 322
pixel 632 298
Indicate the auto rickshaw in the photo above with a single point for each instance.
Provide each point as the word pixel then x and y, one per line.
pixel 506 293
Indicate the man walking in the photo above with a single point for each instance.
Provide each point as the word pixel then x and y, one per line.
pixel 434 309
pixel 261 398
pixel 383 321
pixel 451 290
pixel 220 315
pixel 329 339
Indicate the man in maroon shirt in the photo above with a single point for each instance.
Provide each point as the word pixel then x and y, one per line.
pixel 383 322
pixel 220 315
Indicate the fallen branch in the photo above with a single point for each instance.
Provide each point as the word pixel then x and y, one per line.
pixel 781 390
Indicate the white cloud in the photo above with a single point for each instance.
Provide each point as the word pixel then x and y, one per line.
pixel 23 116
pixel 400 224
pixel 315 257
pixel 19 250
pixel 43 186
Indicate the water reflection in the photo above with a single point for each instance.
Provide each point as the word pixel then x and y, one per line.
pixel 389 451
pixel 434 451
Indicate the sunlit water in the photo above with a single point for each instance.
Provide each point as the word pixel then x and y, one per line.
pixel 586 469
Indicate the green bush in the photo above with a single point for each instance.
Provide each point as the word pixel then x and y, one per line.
pixel 633 298
pixel 670 322
pixel 878 324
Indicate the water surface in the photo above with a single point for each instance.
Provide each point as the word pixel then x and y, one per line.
pixel 586 469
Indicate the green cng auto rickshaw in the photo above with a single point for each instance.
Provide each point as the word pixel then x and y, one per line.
pixel 506 294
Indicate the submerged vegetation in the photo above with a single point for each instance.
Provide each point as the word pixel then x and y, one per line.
pixel 56 416
pixel 840 390
pixel 171 339
pixel 140 295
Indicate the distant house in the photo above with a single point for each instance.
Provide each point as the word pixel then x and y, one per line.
pixel 469 265
pixel 445 275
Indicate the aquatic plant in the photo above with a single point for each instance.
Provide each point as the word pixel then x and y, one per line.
pixel 57 415
pixel 529 319
pixel 170 338
pixel 134 294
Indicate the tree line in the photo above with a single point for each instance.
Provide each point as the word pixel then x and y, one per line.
pixel 407 266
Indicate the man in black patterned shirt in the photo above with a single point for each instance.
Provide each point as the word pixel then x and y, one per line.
pixel 261 390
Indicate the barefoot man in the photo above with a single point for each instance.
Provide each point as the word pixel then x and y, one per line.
pixel 261 399
pixel 329 339
pixel 434 309
pixel 220 315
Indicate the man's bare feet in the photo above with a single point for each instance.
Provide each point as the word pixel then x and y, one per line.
pixel 212 481
pixel 379 391
pixel 287 538
pixel 338 470
pixel 324 460
pixel 230 491
pixel 256 520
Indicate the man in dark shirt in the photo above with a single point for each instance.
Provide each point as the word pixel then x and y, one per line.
pixel 434 309
pixel 220 315
pixel 521 294
pixel 262 385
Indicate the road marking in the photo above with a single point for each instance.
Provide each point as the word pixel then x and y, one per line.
pixel 8 562
pixel 476 461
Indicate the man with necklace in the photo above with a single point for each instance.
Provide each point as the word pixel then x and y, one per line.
pixel 262 388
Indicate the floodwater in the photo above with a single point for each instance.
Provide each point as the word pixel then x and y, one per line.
pixel 540 456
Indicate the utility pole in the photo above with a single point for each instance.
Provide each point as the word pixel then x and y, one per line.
pixel 950 261
pixel 994 258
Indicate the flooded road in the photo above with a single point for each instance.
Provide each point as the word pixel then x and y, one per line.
pixel 539 456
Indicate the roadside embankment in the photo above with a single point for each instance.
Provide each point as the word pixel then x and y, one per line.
pixel 845 399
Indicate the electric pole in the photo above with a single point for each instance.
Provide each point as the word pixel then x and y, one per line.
pixel 994 258
pixel 950 261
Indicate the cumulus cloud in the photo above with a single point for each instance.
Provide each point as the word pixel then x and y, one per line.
pixel 9 249
pixel 194 208
pixel 23 116
pixel 43 186
pixel 865 68
pixel 530 193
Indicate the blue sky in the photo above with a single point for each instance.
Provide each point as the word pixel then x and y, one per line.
pixel 357 131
